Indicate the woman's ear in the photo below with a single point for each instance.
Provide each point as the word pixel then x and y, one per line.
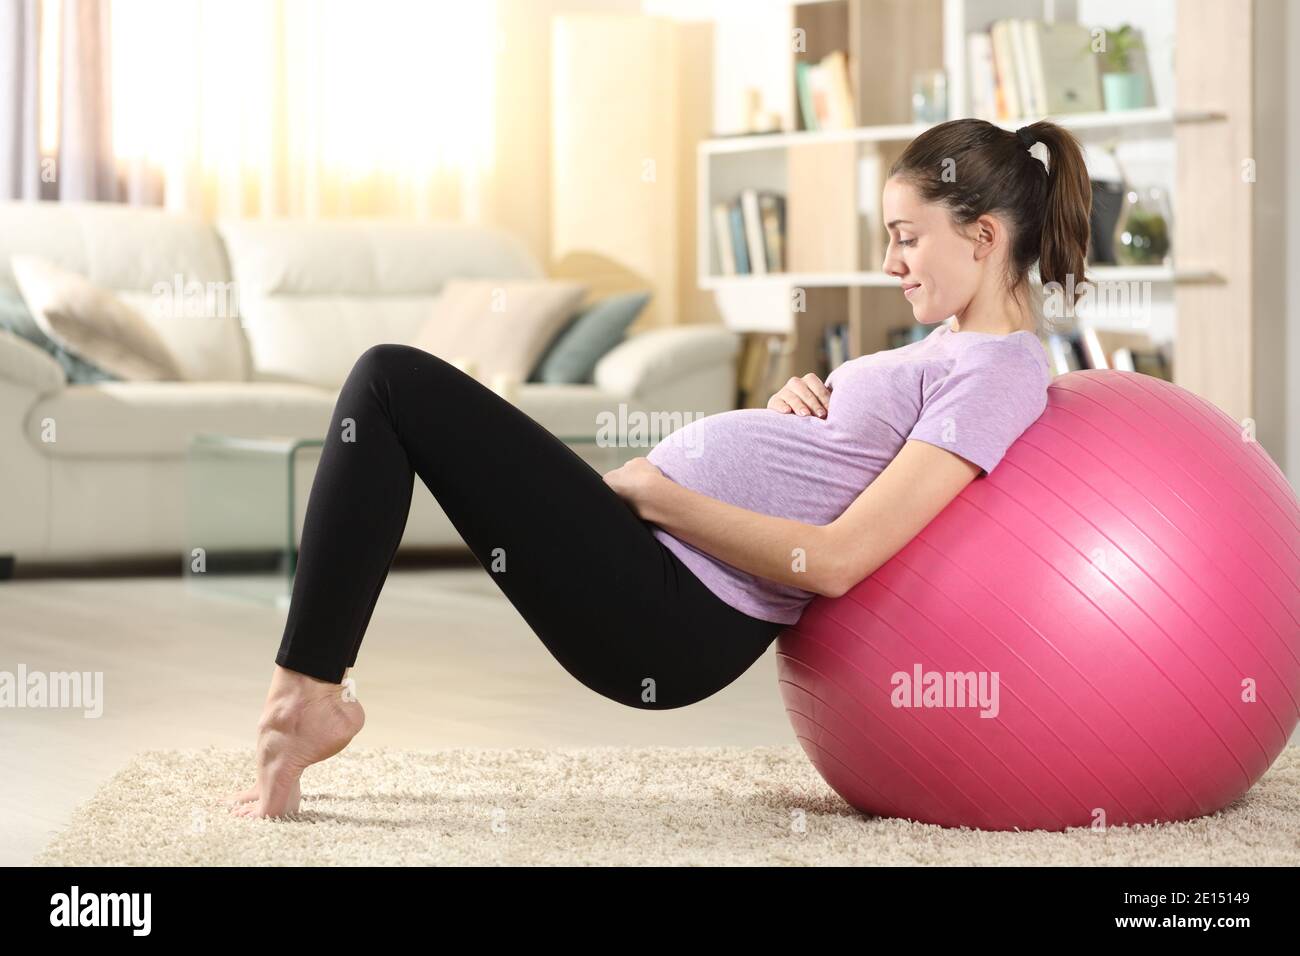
pixel 986 233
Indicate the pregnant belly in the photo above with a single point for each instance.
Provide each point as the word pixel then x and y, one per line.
pixel 777 464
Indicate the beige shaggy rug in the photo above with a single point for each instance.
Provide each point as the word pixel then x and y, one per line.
pixel 603 806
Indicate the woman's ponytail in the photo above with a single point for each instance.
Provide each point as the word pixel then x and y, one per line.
pixel 1063 249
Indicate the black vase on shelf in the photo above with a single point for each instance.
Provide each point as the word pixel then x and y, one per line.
pixel 1107 201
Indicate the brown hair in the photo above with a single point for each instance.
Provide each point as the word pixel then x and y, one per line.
pixel 973 167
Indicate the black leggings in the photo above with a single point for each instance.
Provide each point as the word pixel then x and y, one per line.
pixel 615 607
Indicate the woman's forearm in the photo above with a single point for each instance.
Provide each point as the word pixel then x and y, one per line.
pixel 778 549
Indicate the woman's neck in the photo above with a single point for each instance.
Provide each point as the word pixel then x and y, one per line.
pixel 993 312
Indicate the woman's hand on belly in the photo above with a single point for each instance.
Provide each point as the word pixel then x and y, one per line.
pixel 635 481
pixel 802 396
pixel 778 549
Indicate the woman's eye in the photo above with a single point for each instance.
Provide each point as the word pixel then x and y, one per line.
pixel 907 242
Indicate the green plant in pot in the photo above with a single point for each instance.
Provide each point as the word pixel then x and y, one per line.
pixel 1122 88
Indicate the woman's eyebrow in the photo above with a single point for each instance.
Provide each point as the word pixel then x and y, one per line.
pixel 891 225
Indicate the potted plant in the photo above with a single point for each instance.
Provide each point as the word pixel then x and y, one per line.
pixel 1122 87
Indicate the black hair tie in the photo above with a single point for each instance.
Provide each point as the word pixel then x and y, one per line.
pixel 1026 137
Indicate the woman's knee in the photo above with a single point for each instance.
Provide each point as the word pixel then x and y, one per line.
pixel 384 358
pixel 386 368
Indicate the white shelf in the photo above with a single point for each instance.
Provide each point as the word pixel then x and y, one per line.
pixel 1158 274
pixel 1145 122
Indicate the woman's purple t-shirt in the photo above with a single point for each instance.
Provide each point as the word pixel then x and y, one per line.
pixel 969 392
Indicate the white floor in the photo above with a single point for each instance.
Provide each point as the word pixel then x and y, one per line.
pixel 447 662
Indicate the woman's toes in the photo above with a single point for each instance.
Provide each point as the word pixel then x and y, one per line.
pixel 280 797
pixel 242 796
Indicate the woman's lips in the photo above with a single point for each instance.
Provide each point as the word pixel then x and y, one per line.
pixel 909 289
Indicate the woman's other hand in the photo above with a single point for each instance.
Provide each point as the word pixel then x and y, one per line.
pixel 802 396
pixel 635 482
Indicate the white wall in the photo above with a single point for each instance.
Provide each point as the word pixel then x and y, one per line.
pixel 757 34
pixel 521 200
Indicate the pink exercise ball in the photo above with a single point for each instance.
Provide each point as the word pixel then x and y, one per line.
pixel 1103 630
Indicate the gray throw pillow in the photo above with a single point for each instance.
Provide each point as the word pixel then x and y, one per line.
pixel 573 356
pixel 15 318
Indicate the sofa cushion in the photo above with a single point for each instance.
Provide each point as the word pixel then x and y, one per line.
pixel 92 323
pixel 316 339
pixel 157 419
pixel 370 257
pixel 200 327
pixel 139 253
pixel 572 356
pixel 111 244
pixel 315 295
pixel 498 328
pixel 15 318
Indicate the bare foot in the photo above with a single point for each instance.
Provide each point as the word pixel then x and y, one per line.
pixel 251 794
pixel 305 721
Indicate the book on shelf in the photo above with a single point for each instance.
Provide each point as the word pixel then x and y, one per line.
pixel 753 221
pixel 771 209
pixel 722 235
pixel 739 245
pixel 984 102
pixel 1020 72
pixel 763 365
pixel 1150 362
pixel 750 368
pixel 780 367
pixel 744 371
pixel 833 350
pixel 825 93
pixel 749 233
pixel 1025 68
pixel 803 89
pixel 871 184
pixel 1076 349
pixel 1003 63
pixel 766 362
pixel 1101 348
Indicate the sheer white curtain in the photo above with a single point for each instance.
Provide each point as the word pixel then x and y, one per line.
pixel 56 102
pixel 307 108
pixel 20 128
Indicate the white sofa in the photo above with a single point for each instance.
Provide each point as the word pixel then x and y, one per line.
pixel 311 297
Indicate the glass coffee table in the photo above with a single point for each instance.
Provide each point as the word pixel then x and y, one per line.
pixel 244 503
pixel 246 499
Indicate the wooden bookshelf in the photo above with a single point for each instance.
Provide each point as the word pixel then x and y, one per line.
pixel 1225 284
pixel 1143 122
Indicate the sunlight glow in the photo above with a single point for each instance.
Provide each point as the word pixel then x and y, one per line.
pixel 50 38
pixel 335 88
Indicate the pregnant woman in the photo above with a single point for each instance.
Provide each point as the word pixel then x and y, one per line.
pixel 661 582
